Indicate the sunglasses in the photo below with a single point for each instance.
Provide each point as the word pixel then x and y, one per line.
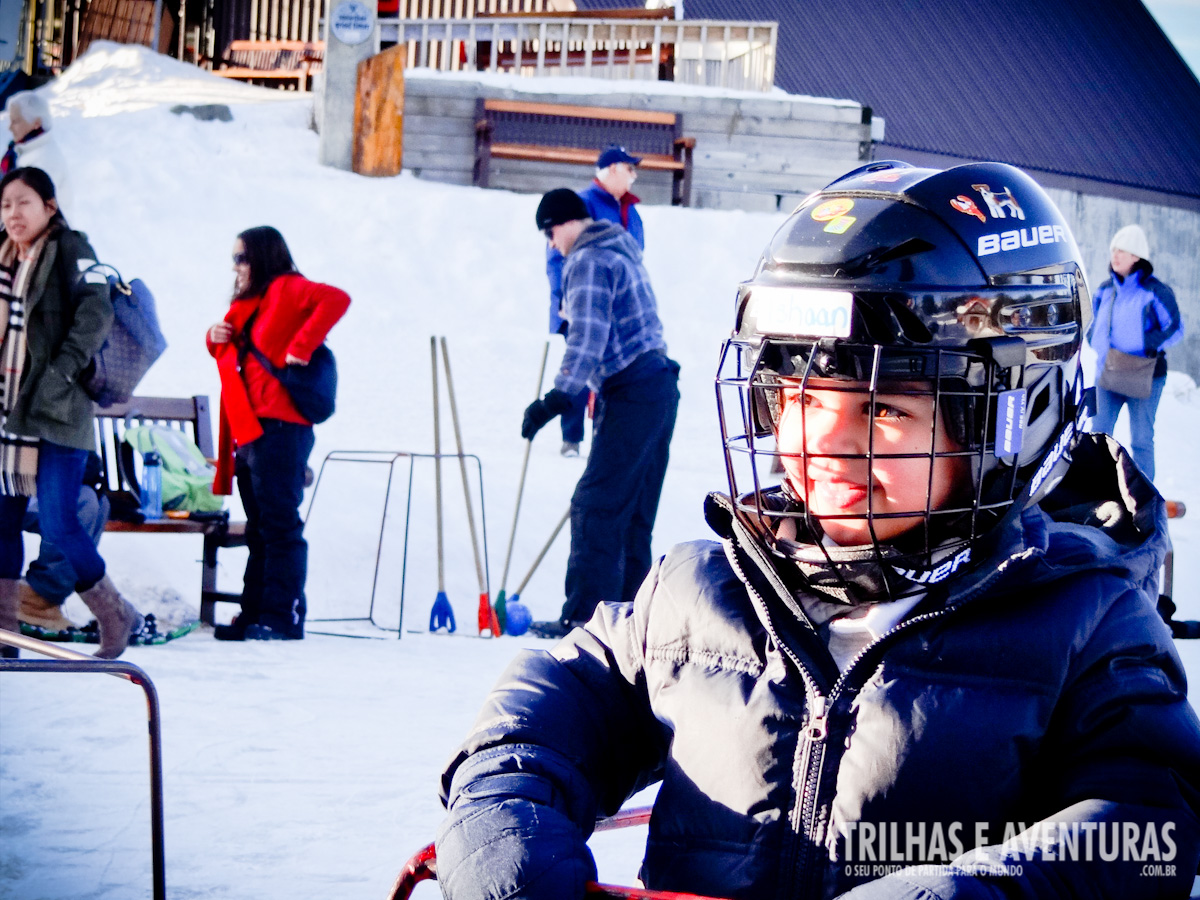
pixel 241 259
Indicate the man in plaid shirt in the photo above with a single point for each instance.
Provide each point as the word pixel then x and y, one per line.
pixel 614 346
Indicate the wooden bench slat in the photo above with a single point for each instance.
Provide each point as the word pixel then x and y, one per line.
pixel 284 60
pixel 568 133
pixel 578 155
pixel 246 72
pixel 177 526
pixel 191 416
pixel 583 112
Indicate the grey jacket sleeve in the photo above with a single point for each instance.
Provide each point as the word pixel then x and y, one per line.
pixel 565 737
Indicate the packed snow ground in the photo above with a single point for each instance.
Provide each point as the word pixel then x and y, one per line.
pixel 310 770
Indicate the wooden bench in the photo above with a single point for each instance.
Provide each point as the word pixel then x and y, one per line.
pixel 273 61
pixel 551 132
pixel 191 416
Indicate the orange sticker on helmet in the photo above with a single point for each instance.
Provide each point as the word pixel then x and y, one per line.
pixel 967 205
pixel 831 209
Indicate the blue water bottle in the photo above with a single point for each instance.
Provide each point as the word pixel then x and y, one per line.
pixel 152 485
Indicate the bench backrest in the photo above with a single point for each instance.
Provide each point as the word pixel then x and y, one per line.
pixel 188 414
pixel 274 54
pixel 585 127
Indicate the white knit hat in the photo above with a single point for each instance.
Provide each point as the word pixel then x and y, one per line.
pixel 1131 239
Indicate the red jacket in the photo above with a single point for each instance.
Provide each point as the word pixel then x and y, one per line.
pixel 293 318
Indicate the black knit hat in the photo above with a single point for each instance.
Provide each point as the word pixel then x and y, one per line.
pixel 558 206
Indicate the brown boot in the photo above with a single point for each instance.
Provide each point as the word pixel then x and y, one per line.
pixel 8 614
pixel 36 610
pixel 115 615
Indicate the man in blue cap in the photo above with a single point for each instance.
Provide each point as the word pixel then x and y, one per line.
pixel 607 199
pixel 615 346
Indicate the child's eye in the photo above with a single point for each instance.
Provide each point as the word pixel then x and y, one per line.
pixel 887 411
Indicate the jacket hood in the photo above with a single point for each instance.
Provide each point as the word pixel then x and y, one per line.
pixel 608 236
pixel 1104 514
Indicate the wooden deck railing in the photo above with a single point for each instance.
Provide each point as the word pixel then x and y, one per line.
pixel 690 51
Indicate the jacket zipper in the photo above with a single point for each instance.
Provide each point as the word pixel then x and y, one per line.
pixel 808 877
pixel 799 868
pixel 817 724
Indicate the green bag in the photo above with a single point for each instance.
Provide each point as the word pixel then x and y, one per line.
pixel 187 476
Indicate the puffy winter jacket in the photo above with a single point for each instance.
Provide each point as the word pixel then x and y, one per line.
pixel 67 318
pixel 1144 318
pixel 292 317
pixel 603 207
pixel 42 152
pixel 1041 688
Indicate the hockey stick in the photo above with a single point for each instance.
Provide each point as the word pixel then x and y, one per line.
pixel 516 595
pixel 442 614
pixel 487 615
pixel 500 602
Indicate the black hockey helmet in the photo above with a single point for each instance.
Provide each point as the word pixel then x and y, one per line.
pixel 963 284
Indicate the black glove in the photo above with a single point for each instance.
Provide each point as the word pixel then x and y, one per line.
pixel 539 412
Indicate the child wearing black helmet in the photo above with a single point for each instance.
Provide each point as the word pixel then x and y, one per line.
pixel 926 662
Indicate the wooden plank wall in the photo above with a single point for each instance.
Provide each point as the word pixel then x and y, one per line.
pixel 379 114
pixel 123 21
pixel 755 154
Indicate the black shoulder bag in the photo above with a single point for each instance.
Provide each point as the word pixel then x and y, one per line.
pixel 313 388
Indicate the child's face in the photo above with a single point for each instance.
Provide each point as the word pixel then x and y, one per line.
pixel 839 422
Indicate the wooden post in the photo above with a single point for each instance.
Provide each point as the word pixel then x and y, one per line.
pixel 379 114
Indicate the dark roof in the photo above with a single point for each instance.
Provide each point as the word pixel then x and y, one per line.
pixel 1078 89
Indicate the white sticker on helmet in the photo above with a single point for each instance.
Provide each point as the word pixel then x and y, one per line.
pixel 801 312
pixel 1010 421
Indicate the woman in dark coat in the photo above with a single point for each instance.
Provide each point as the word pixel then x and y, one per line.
pixel 58 317
pixel 286 316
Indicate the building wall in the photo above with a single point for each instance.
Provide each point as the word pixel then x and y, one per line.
pixel 765 154
pixel 751 153
pixel 1174 236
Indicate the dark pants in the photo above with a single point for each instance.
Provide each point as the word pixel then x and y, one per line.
pixel 270 479
pixel 52 574
pixel 59 479
pixel 616 500
pixel 573 418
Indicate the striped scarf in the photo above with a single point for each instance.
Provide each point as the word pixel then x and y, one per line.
pixel 18 455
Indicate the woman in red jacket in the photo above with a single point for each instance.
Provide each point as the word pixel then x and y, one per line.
pixel 265 441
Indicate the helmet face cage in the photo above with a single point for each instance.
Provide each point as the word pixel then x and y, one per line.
pixel 966 392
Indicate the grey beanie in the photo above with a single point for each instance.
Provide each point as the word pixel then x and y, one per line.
pixel 1131 239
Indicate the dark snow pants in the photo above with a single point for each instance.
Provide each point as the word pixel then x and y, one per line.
pixel 616 499
pixel 270 479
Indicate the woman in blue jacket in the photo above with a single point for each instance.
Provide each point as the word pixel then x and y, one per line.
pixel 1134 313
pixel 927 663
